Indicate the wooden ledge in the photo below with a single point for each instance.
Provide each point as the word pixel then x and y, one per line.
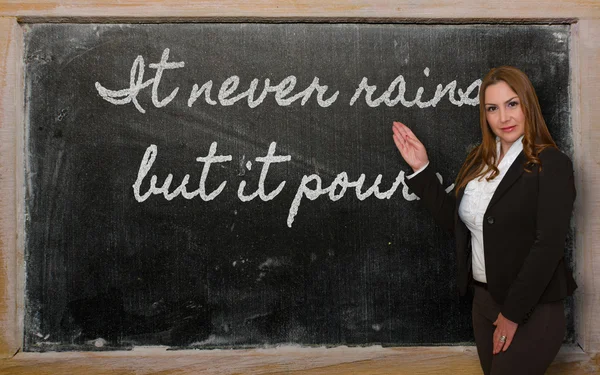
pixel 280 360
pixel 424 9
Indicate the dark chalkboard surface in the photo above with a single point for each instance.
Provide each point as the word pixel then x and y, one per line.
pixel 266 222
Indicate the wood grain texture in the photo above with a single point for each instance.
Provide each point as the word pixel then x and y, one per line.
pixel 10 116
pixel 578 156
pixel 588 167
pixel 184 9
pixel 283 360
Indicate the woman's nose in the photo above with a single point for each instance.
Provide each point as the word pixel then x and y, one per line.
pixel 504 116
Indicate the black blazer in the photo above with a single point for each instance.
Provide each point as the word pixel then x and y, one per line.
pixel 524 231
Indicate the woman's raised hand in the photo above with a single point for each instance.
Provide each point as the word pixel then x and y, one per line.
pixel 411 149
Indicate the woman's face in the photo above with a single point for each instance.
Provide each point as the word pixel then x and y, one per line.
pixel 504 113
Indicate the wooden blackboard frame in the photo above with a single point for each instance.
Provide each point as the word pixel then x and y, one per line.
pixel 585 93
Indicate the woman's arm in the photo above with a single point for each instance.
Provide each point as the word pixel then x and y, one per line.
pixel 556 194
pixel 425 184
pixel 439 203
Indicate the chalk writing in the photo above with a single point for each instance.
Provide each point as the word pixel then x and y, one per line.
pixel 399 85
pixel 136 83
pixel 311 186
pixel 267 160
pixel 146 164
pixel 283 91
pixel 335 191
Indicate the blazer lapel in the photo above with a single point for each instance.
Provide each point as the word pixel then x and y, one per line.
pixel 514 172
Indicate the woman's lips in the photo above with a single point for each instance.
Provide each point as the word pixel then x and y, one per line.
pixel 509 129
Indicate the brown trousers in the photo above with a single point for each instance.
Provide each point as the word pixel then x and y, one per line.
pixel 534 345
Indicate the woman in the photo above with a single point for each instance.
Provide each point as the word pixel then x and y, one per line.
pixel 510 213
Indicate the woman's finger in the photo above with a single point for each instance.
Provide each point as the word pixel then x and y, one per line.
pixel 409 131
pixel 399 144
pixel 397 132
pixel 402 129
pixel 501 339
pixel 411 149
pixel 497 343
pixel 509 339
pixel 398 124
pixel 414 142
pixel 398 137
pixel 410 134
pixel 504 333
pixel 409 141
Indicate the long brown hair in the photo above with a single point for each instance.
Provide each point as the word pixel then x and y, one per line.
pixel 482 158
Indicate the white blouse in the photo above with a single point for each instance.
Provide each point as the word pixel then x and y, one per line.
pixel 477 197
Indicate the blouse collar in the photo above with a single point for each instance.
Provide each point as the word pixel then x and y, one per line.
pixel 514 150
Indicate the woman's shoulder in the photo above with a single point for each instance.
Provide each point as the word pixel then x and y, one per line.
pixel 553 158
pixel 553 154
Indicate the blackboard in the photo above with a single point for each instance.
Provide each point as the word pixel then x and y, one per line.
pixel 315 256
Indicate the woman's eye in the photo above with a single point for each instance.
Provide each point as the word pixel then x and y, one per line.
pixel 513 104
pixel 491 109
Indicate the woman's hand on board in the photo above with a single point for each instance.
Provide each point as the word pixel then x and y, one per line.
pixel 504 329
pixel 411 149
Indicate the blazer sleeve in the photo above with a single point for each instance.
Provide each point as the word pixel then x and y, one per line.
pixel 556 194
pixel 431 192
